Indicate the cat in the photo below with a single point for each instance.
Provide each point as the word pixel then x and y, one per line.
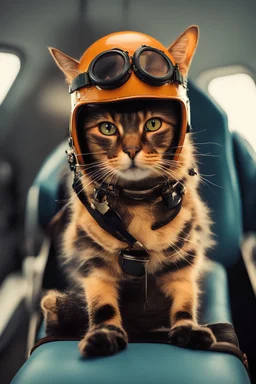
pixel 130 144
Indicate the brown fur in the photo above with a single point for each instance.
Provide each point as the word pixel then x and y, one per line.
pixel 176 250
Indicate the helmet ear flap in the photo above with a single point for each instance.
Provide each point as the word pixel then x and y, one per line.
pixel 67 64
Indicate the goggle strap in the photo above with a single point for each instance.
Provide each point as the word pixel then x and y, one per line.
pixel 177 76
pixel 82 80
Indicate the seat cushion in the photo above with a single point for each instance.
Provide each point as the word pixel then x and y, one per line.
pixel 60 362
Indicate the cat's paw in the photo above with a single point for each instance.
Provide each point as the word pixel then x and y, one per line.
pixel 103 340
pixel 191 336
pixel 50 306
pixel 49 301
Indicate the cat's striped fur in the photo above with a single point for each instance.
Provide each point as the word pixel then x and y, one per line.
pixel 176 250
pixel 114 299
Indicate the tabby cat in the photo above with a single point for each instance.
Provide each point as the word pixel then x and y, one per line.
pixel 130 144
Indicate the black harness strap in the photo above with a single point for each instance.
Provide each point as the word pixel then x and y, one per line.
pixel 110 221
pixel 150 194
pixel 174 213
pixel 133 259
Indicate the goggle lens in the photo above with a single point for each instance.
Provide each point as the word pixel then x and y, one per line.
pixel 154 63
pixel 109 66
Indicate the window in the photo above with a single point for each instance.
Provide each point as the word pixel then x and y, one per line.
pixel 9 69
pixel 235 91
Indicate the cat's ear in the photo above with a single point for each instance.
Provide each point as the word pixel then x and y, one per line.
pixel 184 48
pixel 67 64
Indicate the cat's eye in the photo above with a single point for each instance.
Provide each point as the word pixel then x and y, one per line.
pixel 107 128
pixel 153 125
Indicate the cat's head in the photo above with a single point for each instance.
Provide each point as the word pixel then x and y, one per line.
pixel 129 140
pixel 137 136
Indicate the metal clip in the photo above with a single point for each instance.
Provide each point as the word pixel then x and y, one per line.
pixel 71 158
pixel 171 198
pixel 100 193
pixel 102 207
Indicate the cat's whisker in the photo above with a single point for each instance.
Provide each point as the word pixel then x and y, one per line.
pixel 180 250
pixel 208 143
pixel 184 258
pixel 170 164
pixel 91 153
pixel 162 169
pixel 178 163
pixel 95 169
pixel 91 175
pixel 203 179
pixel 173 164
pixel 92 181
pixel 109 174
pixel 211 175
pixel 94 163
pixel 186 240
pixel 96 176
pixel 195 144
pixel 195 133
pixel 84 187
pixel 201 155
pixel 174 247
pixel 207 185
pixel 89 167
pixel 171 161
pixel 173 167
pixel 101 165
pixel 169 172
pixel 181 155
pixel 154 169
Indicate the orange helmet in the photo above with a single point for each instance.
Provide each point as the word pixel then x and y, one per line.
pixel 125 66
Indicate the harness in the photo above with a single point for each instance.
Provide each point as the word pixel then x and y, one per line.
pixel 134 258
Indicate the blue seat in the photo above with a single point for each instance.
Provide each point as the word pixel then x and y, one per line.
pixel 59 361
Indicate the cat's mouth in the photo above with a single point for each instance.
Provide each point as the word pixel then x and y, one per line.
pixel 133 166
pixel 133 172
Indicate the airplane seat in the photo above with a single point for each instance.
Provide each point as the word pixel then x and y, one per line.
pixel 59 361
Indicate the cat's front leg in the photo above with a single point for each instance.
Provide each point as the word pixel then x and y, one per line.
pixel 182 288
pixel 106 335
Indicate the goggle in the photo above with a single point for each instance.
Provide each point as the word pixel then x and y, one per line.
pixel 111 69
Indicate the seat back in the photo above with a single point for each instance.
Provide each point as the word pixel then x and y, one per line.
pixel 217 160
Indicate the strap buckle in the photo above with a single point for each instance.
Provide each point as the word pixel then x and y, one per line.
pixel 134 261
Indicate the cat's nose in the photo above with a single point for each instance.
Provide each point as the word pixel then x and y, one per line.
pixel 132 151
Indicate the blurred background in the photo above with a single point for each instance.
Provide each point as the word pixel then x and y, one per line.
pixel 35 104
